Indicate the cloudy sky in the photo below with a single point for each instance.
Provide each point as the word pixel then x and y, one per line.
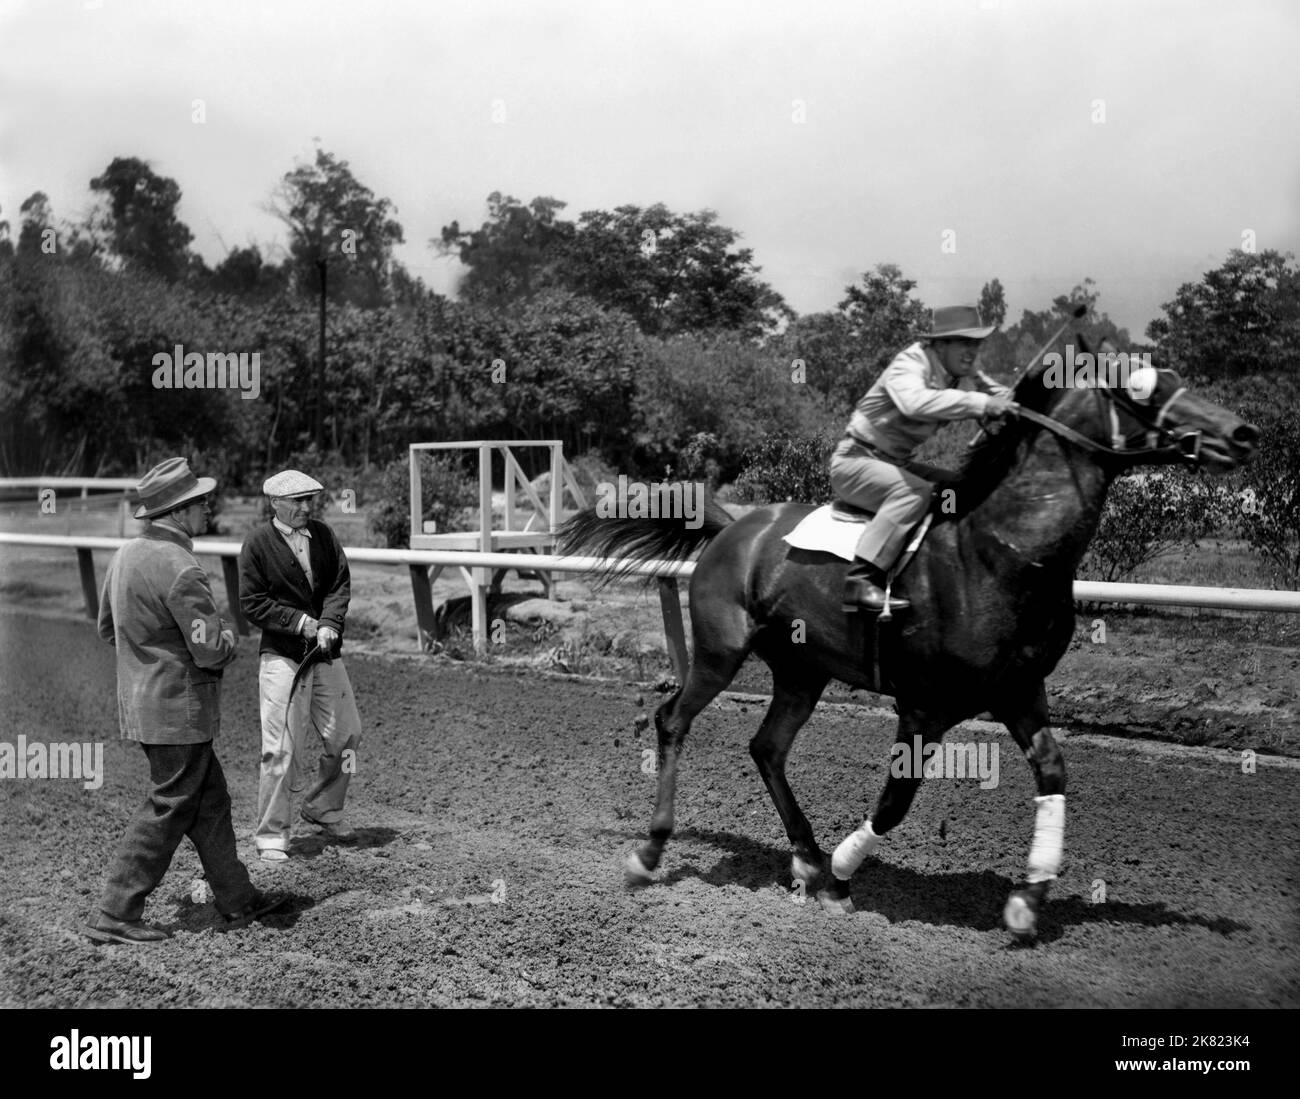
pixel 1037 142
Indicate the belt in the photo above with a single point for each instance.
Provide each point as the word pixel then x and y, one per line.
pixel 875 450
pixel 918 469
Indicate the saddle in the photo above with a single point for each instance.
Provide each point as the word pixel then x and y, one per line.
pixel 850 513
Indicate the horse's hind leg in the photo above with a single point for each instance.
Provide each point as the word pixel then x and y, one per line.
pixel 794 696
pixel 721 645
pixel 1028 725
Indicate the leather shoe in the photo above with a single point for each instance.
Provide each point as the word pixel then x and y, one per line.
pixel 260 905
pixel 103 928
pixel 859 593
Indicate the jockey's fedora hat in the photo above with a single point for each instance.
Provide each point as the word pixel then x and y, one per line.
pixel 954 322
pixel 168 485
pixel 290 484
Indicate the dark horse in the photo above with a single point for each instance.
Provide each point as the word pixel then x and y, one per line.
pixel 992 607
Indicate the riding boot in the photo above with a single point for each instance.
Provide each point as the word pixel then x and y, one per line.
pixel 864 589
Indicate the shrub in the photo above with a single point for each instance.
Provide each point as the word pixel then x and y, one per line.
pixel 1269 513
pixel 786 467
pixel 1145 517
pixel 450 496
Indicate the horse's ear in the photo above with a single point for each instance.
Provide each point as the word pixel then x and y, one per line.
pixel 1032 390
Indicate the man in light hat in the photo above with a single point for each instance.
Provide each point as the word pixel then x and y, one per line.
pixel 158 610
pixel 929 382
pixel 295 583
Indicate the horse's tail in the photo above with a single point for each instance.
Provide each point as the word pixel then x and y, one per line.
pixel 636 541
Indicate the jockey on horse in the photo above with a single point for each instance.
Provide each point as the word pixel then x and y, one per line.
pixel 928 383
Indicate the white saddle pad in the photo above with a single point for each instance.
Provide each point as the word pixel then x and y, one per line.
pixel 820 530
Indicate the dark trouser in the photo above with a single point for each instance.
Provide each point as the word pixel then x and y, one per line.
pixel 189 798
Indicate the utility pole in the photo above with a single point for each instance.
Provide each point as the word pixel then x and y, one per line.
pixel 320 366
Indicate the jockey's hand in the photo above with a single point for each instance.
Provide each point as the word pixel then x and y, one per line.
pixel 309 628
pixel 1000 407
pixel 325 637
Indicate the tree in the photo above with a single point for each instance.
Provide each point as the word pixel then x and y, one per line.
pixel 1241 318
pixel 332 217
pixel 726 387
pixel 1004 354
pixel 832 357
pixel 883 318
pixel 243 273
pixel 672 273
pixel 140 222
pixel 993 304
pixel 513 254
pixel 36 218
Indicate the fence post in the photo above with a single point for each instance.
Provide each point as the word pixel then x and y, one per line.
pixel 422 590
pixel 86 565
pixel 417 496
pixel 482 577
pixel 674 631
pixel 230 570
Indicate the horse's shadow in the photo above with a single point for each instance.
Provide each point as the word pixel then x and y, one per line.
pixel 312 846
pixel 972 899
pixel 200 916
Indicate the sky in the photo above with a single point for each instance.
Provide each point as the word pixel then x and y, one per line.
pixel 1040 143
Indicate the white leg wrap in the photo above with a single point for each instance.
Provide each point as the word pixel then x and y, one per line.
pixel 853 850
pixel 1049 834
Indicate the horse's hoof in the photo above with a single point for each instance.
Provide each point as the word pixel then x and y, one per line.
pixel 801 870
pixel 836 906
pixel 1020 918
pixel 635 872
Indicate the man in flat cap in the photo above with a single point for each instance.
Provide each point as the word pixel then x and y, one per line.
pixel 158 611
pixel 295 584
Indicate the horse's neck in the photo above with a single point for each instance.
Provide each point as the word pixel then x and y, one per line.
pixel 1047 508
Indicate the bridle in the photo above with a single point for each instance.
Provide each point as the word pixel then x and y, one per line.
pixel 1161 443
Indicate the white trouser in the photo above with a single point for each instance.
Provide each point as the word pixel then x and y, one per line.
pixel 323 726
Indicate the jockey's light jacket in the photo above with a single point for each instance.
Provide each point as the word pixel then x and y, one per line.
pixel 913 396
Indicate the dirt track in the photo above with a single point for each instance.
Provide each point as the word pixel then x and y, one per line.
pixel 493 810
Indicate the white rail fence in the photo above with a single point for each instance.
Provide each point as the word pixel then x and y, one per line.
pixel 94 492
pixel 481 569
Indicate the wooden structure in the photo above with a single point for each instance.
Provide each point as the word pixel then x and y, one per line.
pixel 536 536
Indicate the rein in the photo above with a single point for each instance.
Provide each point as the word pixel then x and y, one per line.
pixel 1185 447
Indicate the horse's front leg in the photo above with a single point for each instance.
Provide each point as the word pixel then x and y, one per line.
pixel 1029 726
pixel 895 800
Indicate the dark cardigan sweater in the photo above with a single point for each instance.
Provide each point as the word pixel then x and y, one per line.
pixel 274 593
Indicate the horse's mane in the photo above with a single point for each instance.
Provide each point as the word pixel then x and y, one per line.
pixel 987 462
